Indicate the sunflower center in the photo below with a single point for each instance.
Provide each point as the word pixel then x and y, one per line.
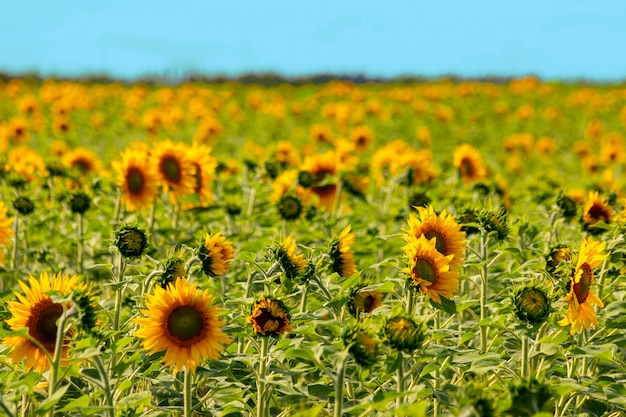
pixel 440 243
pixel 82 165
pixel 135 180
pixel 467 168
pixel 581 288
pixel 43 327
pixel 185 323
pixel 598 212
pixel 425 270
pixel 170 168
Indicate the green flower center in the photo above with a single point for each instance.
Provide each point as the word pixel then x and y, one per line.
pixel 171 169
pixel 185 323
pixel 135 180
pixel 425 270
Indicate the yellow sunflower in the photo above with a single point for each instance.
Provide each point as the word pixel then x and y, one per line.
pixel 361 137
pixel 37 312
pixel 83 160
pixel 180 321
pixel 341 254
pixel 324 170
pixel 204 171
pixel 175 169
pixel 580 312
pixel 286 253
pixel 137 179
pixel 269 317
pixel 429 269
pixel 449 239
pixel 216 254
pixel 5 229
pixel 596 209
pixel 26 162
pixel 469 163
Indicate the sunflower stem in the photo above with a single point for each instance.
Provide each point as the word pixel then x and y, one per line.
pixel 303 297
pixel 400 380
pixel 524 361
pixel 261 402
pixel 410 301
pixel 175 215
pixel 341 374
pixel 106 385
pixel 81 242
pixel 602 275
pixel 6 409
pixel 188 410
pixel 117 209
pixel 56 359
pixel 484 273
pixel 118 292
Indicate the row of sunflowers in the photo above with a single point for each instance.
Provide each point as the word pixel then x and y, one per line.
pixel 415 249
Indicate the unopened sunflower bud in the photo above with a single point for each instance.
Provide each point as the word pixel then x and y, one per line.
pixel 24 205
pixel 363 346
pixel 532 305
pixel 403 333
pixel 79 202
pixel 289 207
pixel 131 241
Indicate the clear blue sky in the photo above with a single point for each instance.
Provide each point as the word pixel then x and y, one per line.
pixel 552 39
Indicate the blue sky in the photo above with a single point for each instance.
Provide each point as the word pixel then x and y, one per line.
pixel 128 39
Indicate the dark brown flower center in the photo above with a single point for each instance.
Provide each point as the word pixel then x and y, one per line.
pixel 440 242
pixel 599 212
pixel 425 270
pixel 42 324
pixel 467 168
pixel 135 180
pixel 185 323
pixel 581 288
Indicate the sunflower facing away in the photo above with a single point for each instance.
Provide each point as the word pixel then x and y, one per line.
pixel 216 254
pixel 175 169
pixel 449 239
pixel 136 178
pixel 269 317
pixel 36 311
pixel 341 253
pixel 580 312
pixel 180 321
pixel 469 163
pixel 430 270
pixel 287 254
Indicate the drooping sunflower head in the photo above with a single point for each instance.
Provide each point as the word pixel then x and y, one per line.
pixel 175 169
pixel 558 259
pixel 362 345
pixel 495 223
pixel 449 238
pixel 285 253
pixel 341 253
pixel 429 270
pixel 269 317
pixel 180 321
pixel 216 254
pixel 532 305
pixel 404 333
pixel 364 301
pixel 580 311
pixel 596 209
pixel 137 178
pixel 173 269
pixel 131 241
pixel 36 311
pixel 468 161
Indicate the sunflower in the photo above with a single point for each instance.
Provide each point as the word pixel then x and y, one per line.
pixel 361 137
pixel 269 317
pixel 286 254
pixel 216 254
pixel 137 179
pixel 324 170
pixel 596 209
pixel 364 301
pixel 180 321
pixel 83 160
pixel 5 229
pixel 342 255
pixel 26 162
pixel 429 269
pixel 469 163
pixel 36 311
pixel 449 239
pixel 204 171
pixel 175 169
pixel 580 312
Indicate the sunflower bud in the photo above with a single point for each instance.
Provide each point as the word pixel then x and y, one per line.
pixel 131 241
pixel 403 333
pixel 269 317
pixel 79 202
pixel 532 305
pixel 306 179
pixel 173 268
pixel 557 260
pixel 567 205
pixel 363 346
pixel 530 398
pixel 418 199
pixel 24 205
pixel 289 207
pixel 495 222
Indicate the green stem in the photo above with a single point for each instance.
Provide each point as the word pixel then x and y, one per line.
pixel 152 216
pixel 410 300
pixel 16 227
pixel 175 216
pixel 118 293
pixel 6 409
pixel 117 209
pixel 400 380
pixel 261 402
pixel 341 374
pixel 303 298
pixel 56 359
pixel 484 285
pixel 106 385
pixel 81 242
pixel 188 411
pixel 524 362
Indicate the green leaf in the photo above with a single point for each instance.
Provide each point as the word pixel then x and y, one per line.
pixel 320 390
pixel 446 305
pixel 412 410
pixel 77 404
pixel 138 400
pixel 50 402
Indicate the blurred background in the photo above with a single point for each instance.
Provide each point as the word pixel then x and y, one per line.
pixel 564 40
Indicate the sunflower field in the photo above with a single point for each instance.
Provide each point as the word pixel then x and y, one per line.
pixel 435 248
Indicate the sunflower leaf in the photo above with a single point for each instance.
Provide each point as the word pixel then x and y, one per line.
pixel 447 305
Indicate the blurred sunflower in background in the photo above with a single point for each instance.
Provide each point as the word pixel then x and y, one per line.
pixel 596 209
pixel 180 321
pixel 174 168
pixel 580 311
pixel 36 311
pixel 468 161
pixel 216 254
pixel 136 178
pixel 83 161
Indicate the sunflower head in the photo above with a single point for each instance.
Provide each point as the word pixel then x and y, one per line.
pixel 173 269
pixel 362 345
pixel 79 202
pixel 131 241
pixel 269 317
pixel 285 253
pixel 24 205
pixel 216 254
pixel 567 205
pixel 364 301
pixel 495 223
pixel 306 179
pixel 532 305
pixel 289 206
pixel 341 253
pixel 180 321
pixel 596 210
pixel 418 199
pixel 558 261
pixel 404 333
